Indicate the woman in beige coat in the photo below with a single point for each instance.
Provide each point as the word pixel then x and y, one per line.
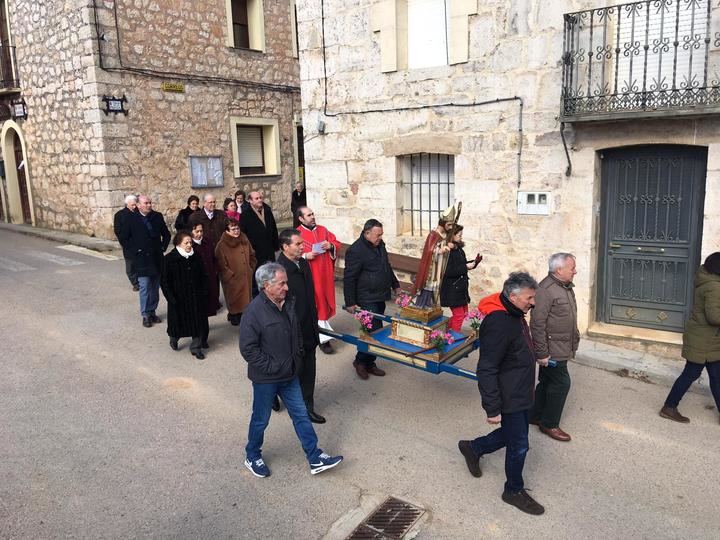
pixel 236 264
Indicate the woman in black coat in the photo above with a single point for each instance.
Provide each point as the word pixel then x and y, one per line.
pixel 182 222
pixel 454 290
pixel 184 283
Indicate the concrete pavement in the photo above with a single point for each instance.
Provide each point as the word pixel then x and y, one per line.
pixel 107 432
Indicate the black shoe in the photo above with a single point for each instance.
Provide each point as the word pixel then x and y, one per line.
pixel 199 355
pixel 327 348
pixel 524 502
pixel 154 318
pixel 205 345
pixel 471 458
pixel 276 404
pixel 136 287
pixel 315 418
pixel 174 343
pixel 147 323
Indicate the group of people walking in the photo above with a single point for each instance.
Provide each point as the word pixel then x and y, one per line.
pixel 281 305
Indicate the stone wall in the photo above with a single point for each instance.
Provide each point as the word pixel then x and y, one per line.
pixel 515 49
pixel 84 162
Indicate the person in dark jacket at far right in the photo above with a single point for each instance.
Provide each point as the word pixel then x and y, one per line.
pixel 506 378
pixel 367 282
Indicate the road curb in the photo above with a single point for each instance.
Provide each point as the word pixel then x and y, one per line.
pixel 64 237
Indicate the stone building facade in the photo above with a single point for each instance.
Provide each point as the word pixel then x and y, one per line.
pixel 377 101
pixel 195 76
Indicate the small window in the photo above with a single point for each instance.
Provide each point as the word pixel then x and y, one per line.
pixel 245 23
pixel 256 146
pixel 427 188
pixel 250 150
pixel 241 35
pixel 206 171
pixel 427 33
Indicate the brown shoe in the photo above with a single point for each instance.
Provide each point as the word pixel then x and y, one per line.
pixel 361 370
pixel 374 370
pixel 671 413
pixel 555 433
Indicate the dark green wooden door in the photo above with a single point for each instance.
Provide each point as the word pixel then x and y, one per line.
pixel 651 227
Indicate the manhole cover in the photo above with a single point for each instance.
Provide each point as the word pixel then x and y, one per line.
pixel 392 519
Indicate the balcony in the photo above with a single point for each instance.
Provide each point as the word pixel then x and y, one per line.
pixel 8 72
pixel 641 59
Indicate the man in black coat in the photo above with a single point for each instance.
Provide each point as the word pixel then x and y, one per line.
pixel 506 378
pixel 271 344
pixel 120 225
pixel 300 284
pixel 367 282
pixel 258 224
pixel 147 239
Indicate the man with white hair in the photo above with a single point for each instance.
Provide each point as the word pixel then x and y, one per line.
pixel 555 336
pixel 213 221
pixel 271 344
pixel 120 226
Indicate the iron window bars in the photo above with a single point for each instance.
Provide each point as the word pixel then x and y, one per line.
pixel 656 57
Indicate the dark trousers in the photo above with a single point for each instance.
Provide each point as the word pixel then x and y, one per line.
pixel 307 378
pixel 130 271
pixel 263 395
pixel 375 307
pixel 550 394
pixel 688 376
pixel 513 436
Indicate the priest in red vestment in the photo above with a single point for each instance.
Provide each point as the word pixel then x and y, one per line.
pixel 320 249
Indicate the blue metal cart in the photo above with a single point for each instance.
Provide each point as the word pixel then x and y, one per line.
pixel 382 345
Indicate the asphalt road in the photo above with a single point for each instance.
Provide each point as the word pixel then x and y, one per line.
pixel 106 432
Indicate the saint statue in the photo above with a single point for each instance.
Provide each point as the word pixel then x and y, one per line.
pixel 433 260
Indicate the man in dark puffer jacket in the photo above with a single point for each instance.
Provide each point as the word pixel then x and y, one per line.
pixel 506 377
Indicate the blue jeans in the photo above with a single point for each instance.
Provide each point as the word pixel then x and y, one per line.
pixel 290 393
pixel 688 376
pixel 513 436
pixel 149 294
pixel 376 307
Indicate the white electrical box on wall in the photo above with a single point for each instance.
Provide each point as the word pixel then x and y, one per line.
pixel 535 203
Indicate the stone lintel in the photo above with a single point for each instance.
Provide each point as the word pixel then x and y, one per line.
pixel 430 143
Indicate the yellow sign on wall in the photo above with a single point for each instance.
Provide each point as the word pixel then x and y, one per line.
pixel 173 87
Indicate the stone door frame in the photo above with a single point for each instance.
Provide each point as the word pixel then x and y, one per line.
pixel 12 205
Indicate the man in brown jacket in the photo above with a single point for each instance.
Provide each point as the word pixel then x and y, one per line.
pixel 555 334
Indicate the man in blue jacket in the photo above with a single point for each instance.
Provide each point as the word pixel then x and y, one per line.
pixel 272 345
pixel 506 378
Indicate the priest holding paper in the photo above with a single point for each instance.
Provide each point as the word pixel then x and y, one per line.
pixel 320 249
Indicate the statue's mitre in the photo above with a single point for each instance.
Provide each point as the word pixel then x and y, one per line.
pixel 448 214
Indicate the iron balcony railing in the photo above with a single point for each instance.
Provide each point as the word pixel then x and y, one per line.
pixel 8 70
pixel 657 57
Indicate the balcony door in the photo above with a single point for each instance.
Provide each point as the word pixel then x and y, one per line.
pixel 651 227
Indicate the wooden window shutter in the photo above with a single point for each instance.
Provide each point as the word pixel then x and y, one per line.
pixel 241 33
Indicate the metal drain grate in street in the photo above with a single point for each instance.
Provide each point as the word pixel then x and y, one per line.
pixel 391 520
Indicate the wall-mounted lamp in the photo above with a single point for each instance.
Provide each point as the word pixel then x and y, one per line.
pixel 18 109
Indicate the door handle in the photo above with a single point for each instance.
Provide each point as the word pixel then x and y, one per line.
pixel 651 250
pixel 614 246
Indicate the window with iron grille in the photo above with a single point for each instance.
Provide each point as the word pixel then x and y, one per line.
pixel 206 171
pixel 427 187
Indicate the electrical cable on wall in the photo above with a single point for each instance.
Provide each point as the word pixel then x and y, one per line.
pixel 171 74
pixel 520 101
